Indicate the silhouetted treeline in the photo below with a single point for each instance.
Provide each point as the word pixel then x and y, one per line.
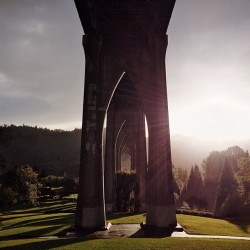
pixel 221 188
pixel 50 151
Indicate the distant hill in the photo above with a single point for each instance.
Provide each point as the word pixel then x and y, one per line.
pixel 188 151
pixel 53 151
pixel 58 152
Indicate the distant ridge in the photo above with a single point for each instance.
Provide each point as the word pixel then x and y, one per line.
pixel 58 151
pixel 188 151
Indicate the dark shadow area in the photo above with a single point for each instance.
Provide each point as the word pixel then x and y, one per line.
pixel 147 231
pixel 31 234
pixel 242 222
pixel 48 244
pixel 54 206
pixel 57 220
pixel 17 217
pixel 36 227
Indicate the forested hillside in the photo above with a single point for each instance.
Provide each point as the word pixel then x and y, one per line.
pixel 50 151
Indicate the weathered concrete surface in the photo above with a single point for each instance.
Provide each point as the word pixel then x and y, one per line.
pixel 125 44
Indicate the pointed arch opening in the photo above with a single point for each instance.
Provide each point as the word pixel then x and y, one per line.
pixel 125 148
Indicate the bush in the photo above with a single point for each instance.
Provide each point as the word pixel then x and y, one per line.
pixel 20 185
pixel 8 197
pixel 125 191
pixel 194 212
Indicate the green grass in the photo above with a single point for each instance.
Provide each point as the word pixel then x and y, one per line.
pixel 119 218
pixel 54 206
pixel 204 225
pixel 19 226
pixel 126 243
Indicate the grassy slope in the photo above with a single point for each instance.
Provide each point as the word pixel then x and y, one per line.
pixel 53 218
pixel 126 243
pixel 202 225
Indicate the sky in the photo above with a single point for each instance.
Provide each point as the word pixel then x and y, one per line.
pixel 208 60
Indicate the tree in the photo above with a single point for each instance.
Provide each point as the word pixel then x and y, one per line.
pixel 181 176
pixel 70 186
pixel 21 180
pixel 213 166
pixel 52 181
pixel 227 201
pixel 194 194
pixel 243 176
pixel 125 191
pixel 233 154
pixel 3 142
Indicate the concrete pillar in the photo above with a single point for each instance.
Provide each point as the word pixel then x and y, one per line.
pixel 90 205
pixel 118 48
pixel 160 198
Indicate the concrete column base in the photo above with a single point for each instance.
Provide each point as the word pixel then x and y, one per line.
pixel 161 216
pixel 93 218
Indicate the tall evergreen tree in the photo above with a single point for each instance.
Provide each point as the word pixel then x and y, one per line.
pixel 194 194
pixel 227 197
pixel 213 166
pixel 243 175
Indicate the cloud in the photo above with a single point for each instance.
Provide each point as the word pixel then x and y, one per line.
pixel 42 55
pixel 21 108
pixel 208 58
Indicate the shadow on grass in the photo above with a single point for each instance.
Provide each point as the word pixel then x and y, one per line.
pixel 65 205
pixel 47 244
pixel 56 220
pixel 242 223
pixel 36 227
pixel 121 215
pixel 17 217
pixel 48 230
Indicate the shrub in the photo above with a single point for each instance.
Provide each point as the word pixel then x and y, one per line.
pixel 125 191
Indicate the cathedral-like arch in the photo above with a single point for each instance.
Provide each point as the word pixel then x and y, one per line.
pixel 125 80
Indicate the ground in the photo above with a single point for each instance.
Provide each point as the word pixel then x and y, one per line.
pixel 21 227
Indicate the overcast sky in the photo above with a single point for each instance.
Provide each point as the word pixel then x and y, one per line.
pixel 208 66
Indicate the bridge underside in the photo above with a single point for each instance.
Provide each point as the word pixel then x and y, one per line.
pixel 125 114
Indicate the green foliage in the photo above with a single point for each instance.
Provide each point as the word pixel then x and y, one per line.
pixel 125 191
pixel 233 154
pixel 53 151
pixel 181 176
pixel 52 181
pixel 70 186
pixel 4 139
pixel 243 176
pixel 21 184
pixel 194 212
pixel 227 201
pixel 194 193
pixel 213 166
pixel 9 197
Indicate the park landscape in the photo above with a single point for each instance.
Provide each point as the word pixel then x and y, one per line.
pixel 44 227
pixel 44 199
pixel 40 214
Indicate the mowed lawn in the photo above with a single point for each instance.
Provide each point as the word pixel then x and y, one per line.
pixel 21 227
pixel 127 244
